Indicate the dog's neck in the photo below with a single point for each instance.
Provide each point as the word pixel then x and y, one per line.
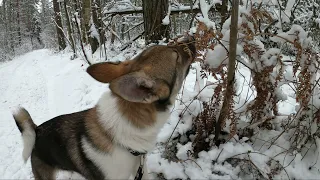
pixel 140 115
pixel 133 125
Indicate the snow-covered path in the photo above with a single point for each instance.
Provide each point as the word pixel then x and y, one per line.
pixel 15 84
pixel 46 85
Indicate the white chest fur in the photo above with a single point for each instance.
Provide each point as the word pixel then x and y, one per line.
pixel 120 163
pixel 122 130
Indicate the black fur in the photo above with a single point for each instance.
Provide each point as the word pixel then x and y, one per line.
pixel 53 140
pixel 19 127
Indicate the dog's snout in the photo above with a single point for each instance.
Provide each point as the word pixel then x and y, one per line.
pixel 188 44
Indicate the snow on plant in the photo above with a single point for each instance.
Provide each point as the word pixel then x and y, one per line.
pixel 270 72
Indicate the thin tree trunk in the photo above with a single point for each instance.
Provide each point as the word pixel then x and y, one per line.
pixel 122 28
pixel 231 70
pixel 69 28
pixel 4 10
pixel 59 28
pixel 99 21
pixel 153 13
pixel 18 22
pixel 113 36
pixel 94 42
pixel 103 28
pixel 174 24
pixel 44 10
pixel 85 25
pixel 81 43
pixel 10 21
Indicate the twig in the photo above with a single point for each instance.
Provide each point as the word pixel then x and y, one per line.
pixel 136 25
pixel 249 152
pixel 219 155
pixel 182 112
pixel 131 41
pixel 194 162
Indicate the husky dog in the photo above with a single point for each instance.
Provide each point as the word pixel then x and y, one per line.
pixel 106 141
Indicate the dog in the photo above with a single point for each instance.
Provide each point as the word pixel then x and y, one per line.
pixel 108 140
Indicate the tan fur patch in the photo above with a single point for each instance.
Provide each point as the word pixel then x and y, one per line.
pixel 41 170
pixel 162 91
pixel 140 115
pixel 98 136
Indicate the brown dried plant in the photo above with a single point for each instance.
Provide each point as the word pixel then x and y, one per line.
pixel 265 83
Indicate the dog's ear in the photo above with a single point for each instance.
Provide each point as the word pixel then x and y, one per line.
pixel 107 71
pixel 138 87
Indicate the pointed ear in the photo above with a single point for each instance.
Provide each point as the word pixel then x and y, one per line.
pixel 107 71
pixel 138 87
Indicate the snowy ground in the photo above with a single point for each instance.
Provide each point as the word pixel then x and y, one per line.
pixel 46 84
pixel 49 85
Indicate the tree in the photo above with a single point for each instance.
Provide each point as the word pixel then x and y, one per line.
pixel 70 34
pixel 153 13
pixel 85 24
pixel 18 21
pixel 96 37
pixel 231 70
pixel 45 12
pixel 58 23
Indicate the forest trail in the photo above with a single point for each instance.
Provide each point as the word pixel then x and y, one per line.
pixel 34 81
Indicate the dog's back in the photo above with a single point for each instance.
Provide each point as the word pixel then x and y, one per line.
pixel 57 145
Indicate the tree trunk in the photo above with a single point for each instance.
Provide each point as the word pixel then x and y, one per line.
pixel 81 43
pixel 174 25
pixel 224 113
pixel 113 36
pixel 44 11
pixel 18 22
pixel 153 13
pixel 58 23
pixel 85 25
pixel 102 31
pixel 10 24
pixel 4 10
pixel 69 29
pixel 94 41
pixel 122 29
pixel 99 22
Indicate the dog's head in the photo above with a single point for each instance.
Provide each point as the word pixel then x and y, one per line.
pixel 156 74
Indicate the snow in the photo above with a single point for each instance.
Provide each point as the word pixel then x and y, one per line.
pixel 93 31
pixel 166 19
pixel 50 84
pixel 205 7
pixel 270 57
pixel 296 32
pixel 287 11
pixel 217 56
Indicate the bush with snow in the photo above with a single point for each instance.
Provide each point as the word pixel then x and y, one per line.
pixel 271 130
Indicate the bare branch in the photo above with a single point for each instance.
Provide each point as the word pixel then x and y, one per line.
pixel 173 11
